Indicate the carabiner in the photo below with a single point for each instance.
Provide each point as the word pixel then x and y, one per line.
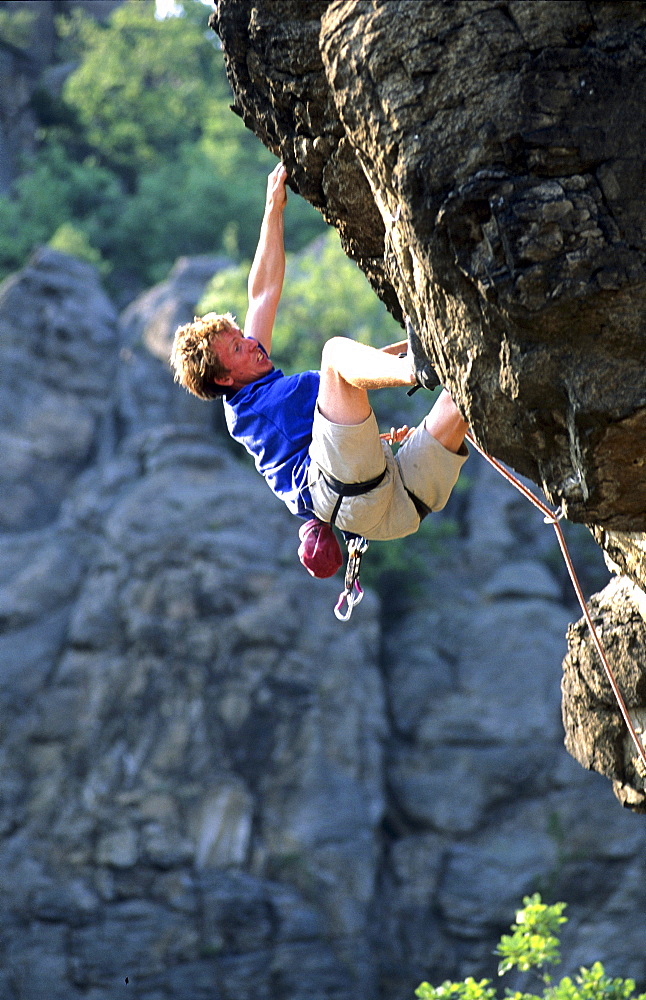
pixel 353 597
pixel 352 592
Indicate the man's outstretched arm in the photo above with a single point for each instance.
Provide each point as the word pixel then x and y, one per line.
pixel 267 273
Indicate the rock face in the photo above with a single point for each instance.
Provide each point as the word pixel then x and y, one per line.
pixel 484 178
pixel 162 675
pixel 52 383
pixel 588 701
pixel 482 163
pixel 210 786
pixel 17 122
pixel 192 774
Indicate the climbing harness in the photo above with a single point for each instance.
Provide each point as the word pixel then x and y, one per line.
pixel 553 518
pixel 350 489
pixel 352 591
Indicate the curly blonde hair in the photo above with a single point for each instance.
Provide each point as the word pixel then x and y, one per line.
pixel 193 357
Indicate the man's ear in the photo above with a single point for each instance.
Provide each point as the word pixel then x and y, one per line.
pixel 225 380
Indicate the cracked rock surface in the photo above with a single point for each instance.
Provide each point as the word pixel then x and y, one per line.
pixel 476 160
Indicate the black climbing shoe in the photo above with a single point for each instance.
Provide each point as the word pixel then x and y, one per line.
pixel 424 372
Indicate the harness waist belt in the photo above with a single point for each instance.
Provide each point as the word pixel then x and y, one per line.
pixel 353 489
pixel 350 489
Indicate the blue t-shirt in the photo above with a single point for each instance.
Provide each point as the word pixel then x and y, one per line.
pixel 273 418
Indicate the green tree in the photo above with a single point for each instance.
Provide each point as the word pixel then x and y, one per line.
pixel 142 155
pixel 53 191
pixel 191 205
pixel 143 87
pixel 73 241
pixel 16 26
pixel 533 944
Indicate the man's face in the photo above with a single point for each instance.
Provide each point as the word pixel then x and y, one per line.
pixel 242 356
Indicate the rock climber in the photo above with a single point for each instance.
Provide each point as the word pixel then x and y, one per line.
pixel 313 435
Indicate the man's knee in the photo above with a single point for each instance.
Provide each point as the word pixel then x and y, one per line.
pixel 338 399
pixel 332 353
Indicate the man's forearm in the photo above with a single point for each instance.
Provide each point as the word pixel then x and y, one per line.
pixel 268 268
pixel 267 273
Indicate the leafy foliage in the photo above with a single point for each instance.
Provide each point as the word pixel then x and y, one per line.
pixel 73 241
pixel 146 88
pixel 142 154
pixel 532 944
pixel 55 190
pixel 16 26
pixel 470 989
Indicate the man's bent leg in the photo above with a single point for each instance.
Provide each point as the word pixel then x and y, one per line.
pixel 339 401
pixel 345 437
pixel 348 371
pixel 428 469
pixel 445 423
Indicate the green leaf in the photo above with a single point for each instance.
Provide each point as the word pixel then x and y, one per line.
pixel 533 942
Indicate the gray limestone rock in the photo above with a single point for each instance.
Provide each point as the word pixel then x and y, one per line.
pixel 60 338
pixel 523 579
pixel 147 397
pixel 211 786
pixel 187 725
pixel 588 696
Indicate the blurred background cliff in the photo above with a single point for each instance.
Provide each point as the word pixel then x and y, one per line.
pixel 208 785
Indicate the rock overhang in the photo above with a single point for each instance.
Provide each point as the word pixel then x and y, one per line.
pixel 482 179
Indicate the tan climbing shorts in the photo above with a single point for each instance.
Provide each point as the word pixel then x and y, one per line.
pixel 354 453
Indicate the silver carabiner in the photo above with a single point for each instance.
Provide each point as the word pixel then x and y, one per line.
pixel 554 516
pixel 352 592
pixel 353 597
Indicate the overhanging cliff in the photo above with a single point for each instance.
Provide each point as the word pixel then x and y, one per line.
pixel 483 164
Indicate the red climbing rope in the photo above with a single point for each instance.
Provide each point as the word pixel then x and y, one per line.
pixel 553 518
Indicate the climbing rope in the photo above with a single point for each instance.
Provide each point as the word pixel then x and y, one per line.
pixel 553 518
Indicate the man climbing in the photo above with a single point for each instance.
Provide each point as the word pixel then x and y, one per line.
pixel 313 435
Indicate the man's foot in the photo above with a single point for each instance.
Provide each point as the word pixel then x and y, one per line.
pixel 424 372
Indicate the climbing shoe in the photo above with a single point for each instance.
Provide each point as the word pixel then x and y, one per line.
pixel 424 372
